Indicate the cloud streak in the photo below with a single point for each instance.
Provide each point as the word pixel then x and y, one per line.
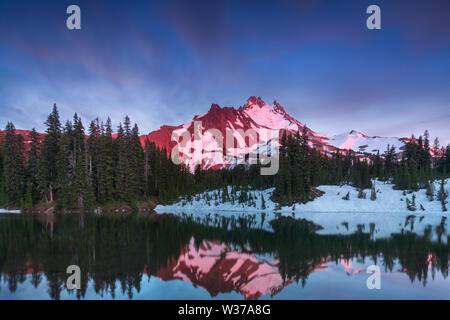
pixel 163 62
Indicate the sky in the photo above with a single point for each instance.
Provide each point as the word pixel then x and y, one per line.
pixel 162 62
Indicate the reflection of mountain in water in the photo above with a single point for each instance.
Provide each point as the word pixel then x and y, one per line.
pixel 115 251
pixel 218 268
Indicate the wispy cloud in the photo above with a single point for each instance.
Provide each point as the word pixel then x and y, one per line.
pixel 161 62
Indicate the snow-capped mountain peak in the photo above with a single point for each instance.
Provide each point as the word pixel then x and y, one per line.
pixel 269 116
pixel 256 114
pixel 359 142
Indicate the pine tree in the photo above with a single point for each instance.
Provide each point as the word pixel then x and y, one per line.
pixel 66 167
pixel 282 180
pixel 373 194
pixel 305 165
pixel 426 156
pixel 364 176
pixel 390 159
pixel 225 196
pixel 411 205
pixel 2 191
pixel 442 195
pixel 151 165
pixel 28 198
pixel 378 166
pixel 49 167
pixel 81 184
pixel 445 159
pixel 95 163
pixel 430 190
pixel 361 194
pixel 13 167
pixel 120 163
pixel 32 168
pixel 135 177
pixel 107 162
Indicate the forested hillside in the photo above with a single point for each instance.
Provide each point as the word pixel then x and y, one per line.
pixel 76 167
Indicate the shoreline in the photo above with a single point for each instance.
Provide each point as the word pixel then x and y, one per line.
pixel 147 206
pixel 388 200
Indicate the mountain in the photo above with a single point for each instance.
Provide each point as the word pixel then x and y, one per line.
pixel 255 114
pixel 361 143
pixel 259 115
pixel 25 136
pixel 219 268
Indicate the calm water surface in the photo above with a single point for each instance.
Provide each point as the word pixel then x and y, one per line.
pixel 141 256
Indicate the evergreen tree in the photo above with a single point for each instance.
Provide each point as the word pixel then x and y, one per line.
pixel 378 167
pixel 150 169
pixel 361 194
pixel 2 191
pixel 49 168
pixel 411 204
pixel 373 194
pixel 66 167
pixel 135 164
pixel 32 168
pixel 225 196
pixel 390 160
pixel 305 165
pixel 107 163
pixel 442 195
pixel 95 163
pixel 430 190
pixel 120 151
pixel 81 183
pixel 79 172
pixel 13 167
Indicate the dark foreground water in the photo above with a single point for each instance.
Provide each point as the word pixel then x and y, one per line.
pixel 167 257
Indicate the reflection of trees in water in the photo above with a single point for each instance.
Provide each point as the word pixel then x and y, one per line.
pixel 122 248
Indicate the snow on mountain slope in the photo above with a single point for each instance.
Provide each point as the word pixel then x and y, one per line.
pixel 270 116
pixel 264 119
pixel 359 142
pixel 258 115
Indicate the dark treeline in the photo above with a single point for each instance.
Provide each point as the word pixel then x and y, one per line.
pixel 302 167
pixel 44 245
pixel 79 169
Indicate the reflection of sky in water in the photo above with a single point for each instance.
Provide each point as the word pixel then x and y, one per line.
pixel 336 283
pixel 194 264
pixel 344 280
pixel 151 288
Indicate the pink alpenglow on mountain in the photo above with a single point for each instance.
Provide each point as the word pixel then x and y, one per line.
pixel 217 268
pixel 258 115
pixel 261 117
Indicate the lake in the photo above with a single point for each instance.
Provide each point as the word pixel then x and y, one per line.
pixel 215 256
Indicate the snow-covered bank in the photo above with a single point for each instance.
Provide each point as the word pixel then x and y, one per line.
pixel 381 217
pixel 387 200
pixel 2 210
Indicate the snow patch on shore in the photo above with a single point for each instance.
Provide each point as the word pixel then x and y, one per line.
pixel 2 210
pixel 381 217
pixel 387 200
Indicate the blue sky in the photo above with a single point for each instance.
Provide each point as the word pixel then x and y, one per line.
pixel 163 62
